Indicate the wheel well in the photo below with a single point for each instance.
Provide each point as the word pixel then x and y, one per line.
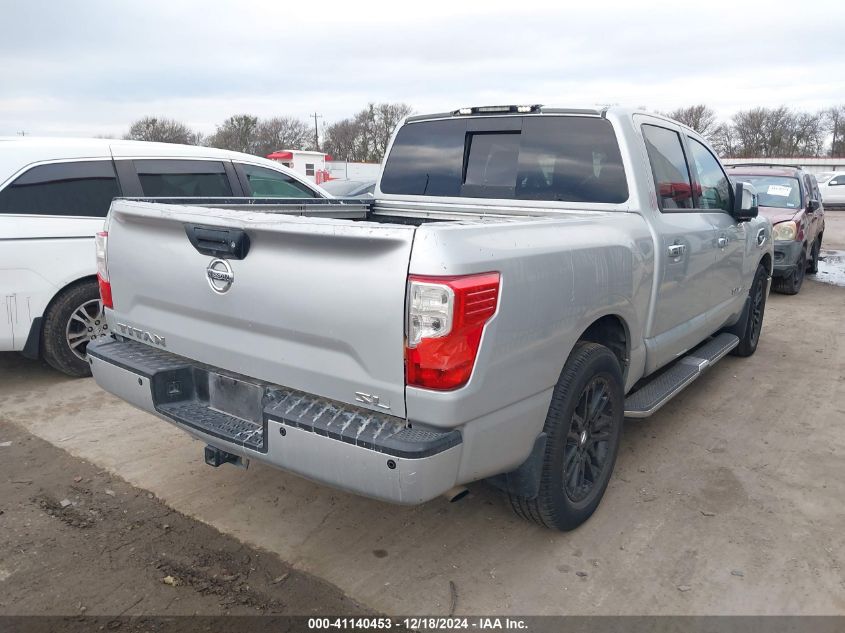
pixel 75 282
pixel 611 332
pixel 767 262
pixel 33 342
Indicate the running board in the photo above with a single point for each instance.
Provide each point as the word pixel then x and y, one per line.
pixel 666 385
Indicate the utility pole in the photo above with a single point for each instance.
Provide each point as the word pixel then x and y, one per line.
pixel 316 134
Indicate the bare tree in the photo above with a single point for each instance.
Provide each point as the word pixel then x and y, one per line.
pixel 163 130
pixel 282 133
pixel 808 134
pixel 340 140
pixel 238 133
pixel 749 130
pixel 835 120
pixel 388 116
pixel 365 136
pixel 724 140
pixel 700 118
pixel 366 121
pixel 778 132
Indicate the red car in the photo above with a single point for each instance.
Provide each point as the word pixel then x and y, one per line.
pixel 790 198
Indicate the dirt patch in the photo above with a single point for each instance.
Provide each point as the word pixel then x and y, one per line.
pixel 78 541
pixel 67 514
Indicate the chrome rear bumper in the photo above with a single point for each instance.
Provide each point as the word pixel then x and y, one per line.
pixel 341 445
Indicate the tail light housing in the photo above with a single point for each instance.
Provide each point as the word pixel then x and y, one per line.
pixel 446 317
pixel 100 243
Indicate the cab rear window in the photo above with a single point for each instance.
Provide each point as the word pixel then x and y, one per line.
pixel 539 157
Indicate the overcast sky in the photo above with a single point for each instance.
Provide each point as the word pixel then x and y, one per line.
pixel 91 67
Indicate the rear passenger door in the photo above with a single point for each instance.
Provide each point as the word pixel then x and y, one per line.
pixel 714 199
pixel 685 243
pixel 179 178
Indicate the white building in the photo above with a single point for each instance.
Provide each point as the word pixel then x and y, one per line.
pixel 319 167
pixel 310 164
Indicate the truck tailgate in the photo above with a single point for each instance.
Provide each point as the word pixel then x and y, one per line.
pixel 317 304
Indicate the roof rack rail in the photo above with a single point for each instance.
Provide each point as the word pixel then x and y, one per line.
pixel 773 165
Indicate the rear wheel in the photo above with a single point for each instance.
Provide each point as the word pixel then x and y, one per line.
pixel 74 319
pixel 583 429
pixel 754 324
pixel 791 283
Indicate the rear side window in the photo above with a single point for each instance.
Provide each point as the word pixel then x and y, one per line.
pixel 75 189
pixel 669 167
pixel 492 159
pixel 183 178
pixel 426 159
pixel 714 185
pixel 267 183
pixel 540 157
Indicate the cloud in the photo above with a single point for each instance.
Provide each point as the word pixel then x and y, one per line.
pixel 86 67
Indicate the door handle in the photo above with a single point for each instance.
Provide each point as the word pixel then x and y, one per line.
pixel 677 250
pixel 722 241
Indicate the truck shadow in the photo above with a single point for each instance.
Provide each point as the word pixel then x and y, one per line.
pixel 16 371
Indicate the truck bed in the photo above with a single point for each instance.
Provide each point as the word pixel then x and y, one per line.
pixel 357 210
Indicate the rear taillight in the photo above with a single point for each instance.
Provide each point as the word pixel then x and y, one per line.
pixel 446 316
pixel 100 241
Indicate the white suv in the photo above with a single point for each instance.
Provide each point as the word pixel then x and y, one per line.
pixel 54 194
pixel 832 188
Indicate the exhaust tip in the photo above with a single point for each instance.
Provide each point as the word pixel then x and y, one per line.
pixel 456 494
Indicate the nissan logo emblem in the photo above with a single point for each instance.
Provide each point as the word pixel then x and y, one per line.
pixel 220 276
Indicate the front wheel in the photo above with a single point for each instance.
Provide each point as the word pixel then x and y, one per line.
pixel 583 429
pixel 790 284
pixel 74 319
pixel 754 321
pixel 813 265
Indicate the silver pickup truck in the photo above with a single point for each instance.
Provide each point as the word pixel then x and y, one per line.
pixel 525 278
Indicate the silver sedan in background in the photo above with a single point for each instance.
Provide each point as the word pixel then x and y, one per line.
pixel 350 188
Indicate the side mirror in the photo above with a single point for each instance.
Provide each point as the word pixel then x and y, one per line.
pixel 745 201
pixel 813 205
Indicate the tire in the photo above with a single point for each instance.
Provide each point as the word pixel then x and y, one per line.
pixel 560 503
pixel 66 330
pixel 813 264
pixel 754 323
pixel 791 283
